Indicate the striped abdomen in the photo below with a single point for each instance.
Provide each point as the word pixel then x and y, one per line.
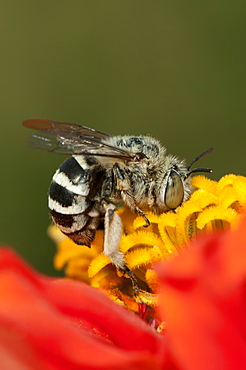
pixel 71 200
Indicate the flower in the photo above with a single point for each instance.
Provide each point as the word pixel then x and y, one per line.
pixel 58 324
pixel 63 324
pixel 213 206
pixel 203 302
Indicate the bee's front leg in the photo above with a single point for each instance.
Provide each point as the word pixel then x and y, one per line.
pixel 142 214
pixel 113 229
pixel 123 184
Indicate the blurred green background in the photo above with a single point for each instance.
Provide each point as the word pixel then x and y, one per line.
pixel 174 69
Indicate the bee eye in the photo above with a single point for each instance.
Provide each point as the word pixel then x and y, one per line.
pixel 174 192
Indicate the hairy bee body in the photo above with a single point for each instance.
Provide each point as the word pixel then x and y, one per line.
pixel 106 170
pixel 83 184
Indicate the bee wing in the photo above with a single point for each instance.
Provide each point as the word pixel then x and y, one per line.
pixel 69 138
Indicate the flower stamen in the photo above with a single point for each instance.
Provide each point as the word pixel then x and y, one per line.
pixel 212 206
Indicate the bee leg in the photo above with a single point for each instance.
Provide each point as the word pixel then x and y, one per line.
pixel 123 185
pixel 131 275
pixel 141 213
pixel 121 178
pixel 141 296
pixel 113 229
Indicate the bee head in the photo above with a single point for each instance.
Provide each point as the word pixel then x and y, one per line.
pixel 173 191
pixel 175 186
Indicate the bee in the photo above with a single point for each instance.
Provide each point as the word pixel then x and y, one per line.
pixel 103 171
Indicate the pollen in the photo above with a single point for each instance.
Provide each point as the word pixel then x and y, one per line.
pixel 212 206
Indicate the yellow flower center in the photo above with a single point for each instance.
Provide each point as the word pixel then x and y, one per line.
pixel 212 206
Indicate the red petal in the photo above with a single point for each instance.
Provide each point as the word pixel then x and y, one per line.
pixel 64 324
pixel 203 303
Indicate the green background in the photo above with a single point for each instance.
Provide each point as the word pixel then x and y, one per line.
pixel 174 69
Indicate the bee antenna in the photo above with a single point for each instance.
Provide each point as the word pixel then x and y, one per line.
pixel 200 156
pixel 208 170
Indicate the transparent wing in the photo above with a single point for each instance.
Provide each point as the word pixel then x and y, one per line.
pixel 69 138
